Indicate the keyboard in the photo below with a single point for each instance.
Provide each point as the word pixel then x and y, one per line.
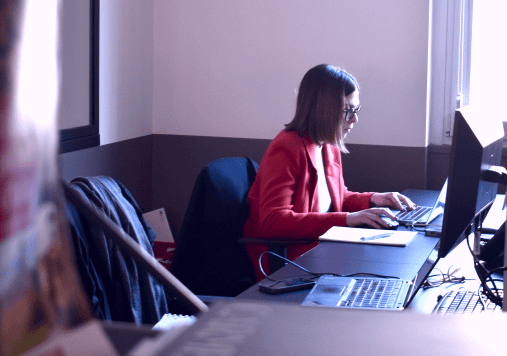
pixel 413 216
pixel 373 293
pixel 463 301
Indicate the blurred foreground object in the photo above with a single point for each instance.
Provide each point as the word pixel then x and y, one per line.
pixel 40 290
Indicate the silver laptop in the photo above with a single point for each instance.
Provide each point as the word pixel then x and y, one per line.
pixel 423 215
pixel 360 293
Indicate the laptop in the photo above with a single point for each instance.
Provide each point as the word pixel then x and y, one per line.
pixel 423 215
pixel 361 293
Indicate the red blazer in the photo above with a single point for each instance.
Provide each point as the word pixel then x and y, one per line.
pixel 284 201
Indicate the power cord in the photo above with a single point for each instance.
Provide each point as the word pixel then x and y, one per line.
pixel 315 274
pixel 494 294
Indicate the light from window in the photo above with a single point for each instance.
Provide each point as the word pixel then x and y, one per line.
pixel 488 72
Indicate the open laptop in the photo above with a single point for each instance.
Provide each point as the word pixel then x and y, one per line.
pixel 362 293
pixel 423 215
pixel 387 293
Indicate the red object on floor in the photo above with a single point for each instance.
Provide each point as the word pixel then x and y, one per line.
pixel 164 252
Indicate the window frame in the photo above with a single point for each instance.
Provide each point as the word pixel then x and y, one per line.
pixel 87 136
pixel 449 68
pixel 450 51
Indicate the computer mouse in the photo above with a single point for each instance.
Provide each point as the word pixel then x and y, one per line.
pixel 393 225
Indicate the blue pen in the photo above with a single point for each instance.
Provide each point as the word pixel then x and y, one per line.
pixel 376 237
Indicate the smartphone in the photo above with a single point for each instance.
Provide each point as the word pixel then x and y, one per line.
pixel 286 285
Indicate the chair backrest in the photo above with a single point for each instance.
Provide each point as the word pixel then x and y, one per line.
pixel 208 258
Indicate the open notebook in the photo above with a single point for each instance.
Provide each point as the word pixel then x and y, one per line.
pixel 368 236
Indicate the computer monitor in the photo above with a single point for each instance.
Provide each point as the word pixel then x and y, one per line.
pixel 476 147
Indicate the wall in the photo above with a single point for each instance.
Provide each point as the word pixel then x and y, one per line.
pixel 128 161
pixel 126 72
pixel 126 69
pixel 230 68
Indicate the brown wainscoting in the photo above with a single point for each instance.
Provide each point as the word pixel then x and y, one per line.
pixel 439 158
pixel 160 170
pixel 129 162
pixel 177 161
pixel 384 168
pixel 438 166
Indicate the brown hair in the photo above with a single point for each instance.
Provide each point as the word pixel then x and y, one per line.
pixel 320 103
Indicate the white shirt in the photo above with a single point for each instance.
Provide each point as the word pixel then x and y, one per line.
pixel 323 189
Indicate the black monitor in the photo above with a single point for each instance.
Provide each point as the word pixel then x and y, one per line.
pixel 476 147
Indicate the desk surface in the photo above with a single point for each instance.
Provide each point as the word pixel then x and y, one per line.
pixel 346 258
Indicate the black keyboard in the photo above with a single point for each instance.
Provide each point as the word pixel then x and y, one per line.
pixel 463 301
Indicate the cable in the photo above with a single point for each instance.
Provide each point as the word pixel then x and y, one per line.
pixel 480 294
pixel 315 274
pixel 484 275
pixel 283 258
pixel 494 294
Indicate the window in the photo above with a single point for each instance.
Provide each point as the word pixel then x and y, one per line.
pixel 79 104
pixel 488 74
pixel 467 60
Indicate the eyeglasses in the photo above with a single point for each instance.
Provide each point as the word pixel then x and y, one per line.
pixel 349 113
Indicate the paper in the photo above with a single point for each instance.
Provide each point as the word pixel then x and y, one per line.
pixel 368 236
pixel 157 220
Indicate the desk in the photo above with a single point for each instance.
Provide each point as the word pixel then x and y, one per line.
pixel 346 258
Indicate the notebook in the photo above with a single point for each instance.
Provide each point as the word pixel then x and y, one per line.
pixel 423 215
pixel 368 236
pixel 360 292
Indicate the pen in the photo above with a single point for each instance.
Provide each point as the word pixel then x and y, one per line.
pixel 375 237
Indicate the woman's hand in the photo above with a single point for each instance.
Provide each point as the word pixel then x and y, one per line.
pixel 393 200
pixel 370 217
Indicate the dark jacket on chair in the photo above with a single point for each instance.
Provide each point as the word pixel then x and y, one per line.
pixel 208 258
pixel 118 289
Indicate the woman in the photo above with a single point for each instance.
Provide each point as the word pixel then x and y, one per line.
pixel 299 190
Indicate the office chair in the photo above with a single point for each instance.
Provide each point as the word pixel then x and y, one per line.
pixel 208 258
pixel 211 257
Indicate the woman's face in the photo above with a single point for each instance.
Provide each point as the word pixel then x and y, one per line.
pixel 351 102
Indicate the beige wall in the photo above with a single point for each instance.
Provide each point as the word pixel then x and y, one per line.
pixel 230 68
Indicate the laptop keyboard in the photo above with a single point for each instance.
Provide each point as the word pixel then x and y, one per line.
pixel 373 293
pixel 413 215
pixel 464 302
